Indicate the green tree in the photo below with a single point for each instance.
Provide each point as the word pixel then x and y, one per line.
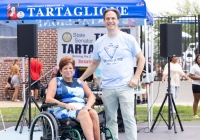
pixel 187 8
pixel 184 8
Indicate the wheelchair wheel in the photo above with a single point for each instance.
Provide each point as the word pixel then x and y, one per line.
pixel 44 127
pixel 72 134
pixel 108 134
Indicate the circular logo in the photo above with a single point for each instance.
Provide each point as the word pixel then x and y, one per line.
pixel 67 37
pixel 20 14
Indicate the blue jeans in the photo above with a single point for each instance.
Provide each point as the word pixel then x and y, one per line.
pixel 125 97
pixel 174 90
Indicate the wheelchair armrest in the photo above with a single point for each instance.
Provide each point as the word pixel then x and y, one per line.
pixel 48 105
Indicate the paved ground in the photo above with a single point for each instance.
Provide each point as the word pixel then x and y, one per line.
pixel 160 132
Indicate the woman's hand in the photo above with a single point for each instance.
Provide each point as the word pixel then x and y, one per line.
pixel 70 107
pixel 190 80
pixel 94 76
pixel 164 77
pixel 163 80
pixel 87 108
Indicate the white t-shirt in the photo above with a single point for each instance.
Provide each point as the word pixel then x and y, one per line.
pixel 195 69
pixel 116 54
pixel 176 73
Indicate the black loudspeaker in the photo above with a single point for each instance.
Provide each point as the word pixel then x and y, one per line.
pixel 27 40
pixel 170 40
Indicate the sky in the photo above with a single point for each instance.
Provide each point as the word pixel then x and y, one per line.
pixel 156 6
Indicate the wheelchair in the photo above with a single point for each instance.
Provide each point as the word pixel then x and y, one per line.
pixel 46 127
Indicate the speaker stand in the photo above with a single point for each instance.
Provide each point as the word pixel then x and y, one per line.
pixel 27 105
pixel 171 105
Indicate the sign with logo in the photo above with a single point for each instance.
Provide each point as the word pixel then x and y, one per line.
pixel 78 43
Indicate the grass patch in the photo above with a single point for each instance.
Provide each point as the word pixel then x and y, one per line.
pixel 185 113
pixel 12 114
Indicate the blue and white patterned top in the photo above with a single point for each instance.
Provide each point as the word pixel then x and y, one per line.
pixel 71 93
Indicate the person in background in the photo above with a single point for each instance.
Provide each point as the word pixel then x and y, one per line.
pixel 16 79
pixel 195 75
pixel 8 85
pixel 116 51
pixel 160 73
pixel 36 70
pixel 56 72
pixel 176 73
pixel 69 94
pixel 144 80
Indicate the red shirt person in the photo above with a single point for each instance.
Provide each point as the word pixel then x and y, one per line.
pixel 36 71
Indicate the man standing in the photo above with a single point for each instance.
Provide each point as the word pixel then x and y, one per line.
pixel 116 50
pixel 36 71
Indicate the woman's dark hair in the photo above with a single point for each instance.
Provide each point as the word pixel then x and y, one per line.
pixel 111 9
pixel 170 59
pixel 58 74
pixel 65 61
pixel 15 61
pixel 196 58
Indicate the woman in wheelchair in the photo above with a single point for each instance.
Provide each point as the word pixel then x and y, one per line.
pixel 69 95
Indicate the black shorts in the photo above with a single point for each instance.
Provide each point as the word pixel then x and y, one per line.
pixel 9 81
pixel 35 85
pixel 196 88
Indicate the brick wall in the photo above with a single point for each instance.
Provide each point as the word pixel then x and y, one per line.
pixel 47 53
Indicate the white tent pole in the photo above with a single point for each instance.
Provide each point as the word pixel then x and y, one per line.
pixel 147 72
pixel 152 74
pixel 1 116
pixel 23 79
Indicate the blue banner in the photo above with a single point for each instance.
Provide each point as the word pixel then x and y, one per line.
pixel 36 11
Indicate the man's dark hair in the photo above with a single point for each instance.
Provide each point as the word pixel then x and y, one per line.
pixel 111 9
